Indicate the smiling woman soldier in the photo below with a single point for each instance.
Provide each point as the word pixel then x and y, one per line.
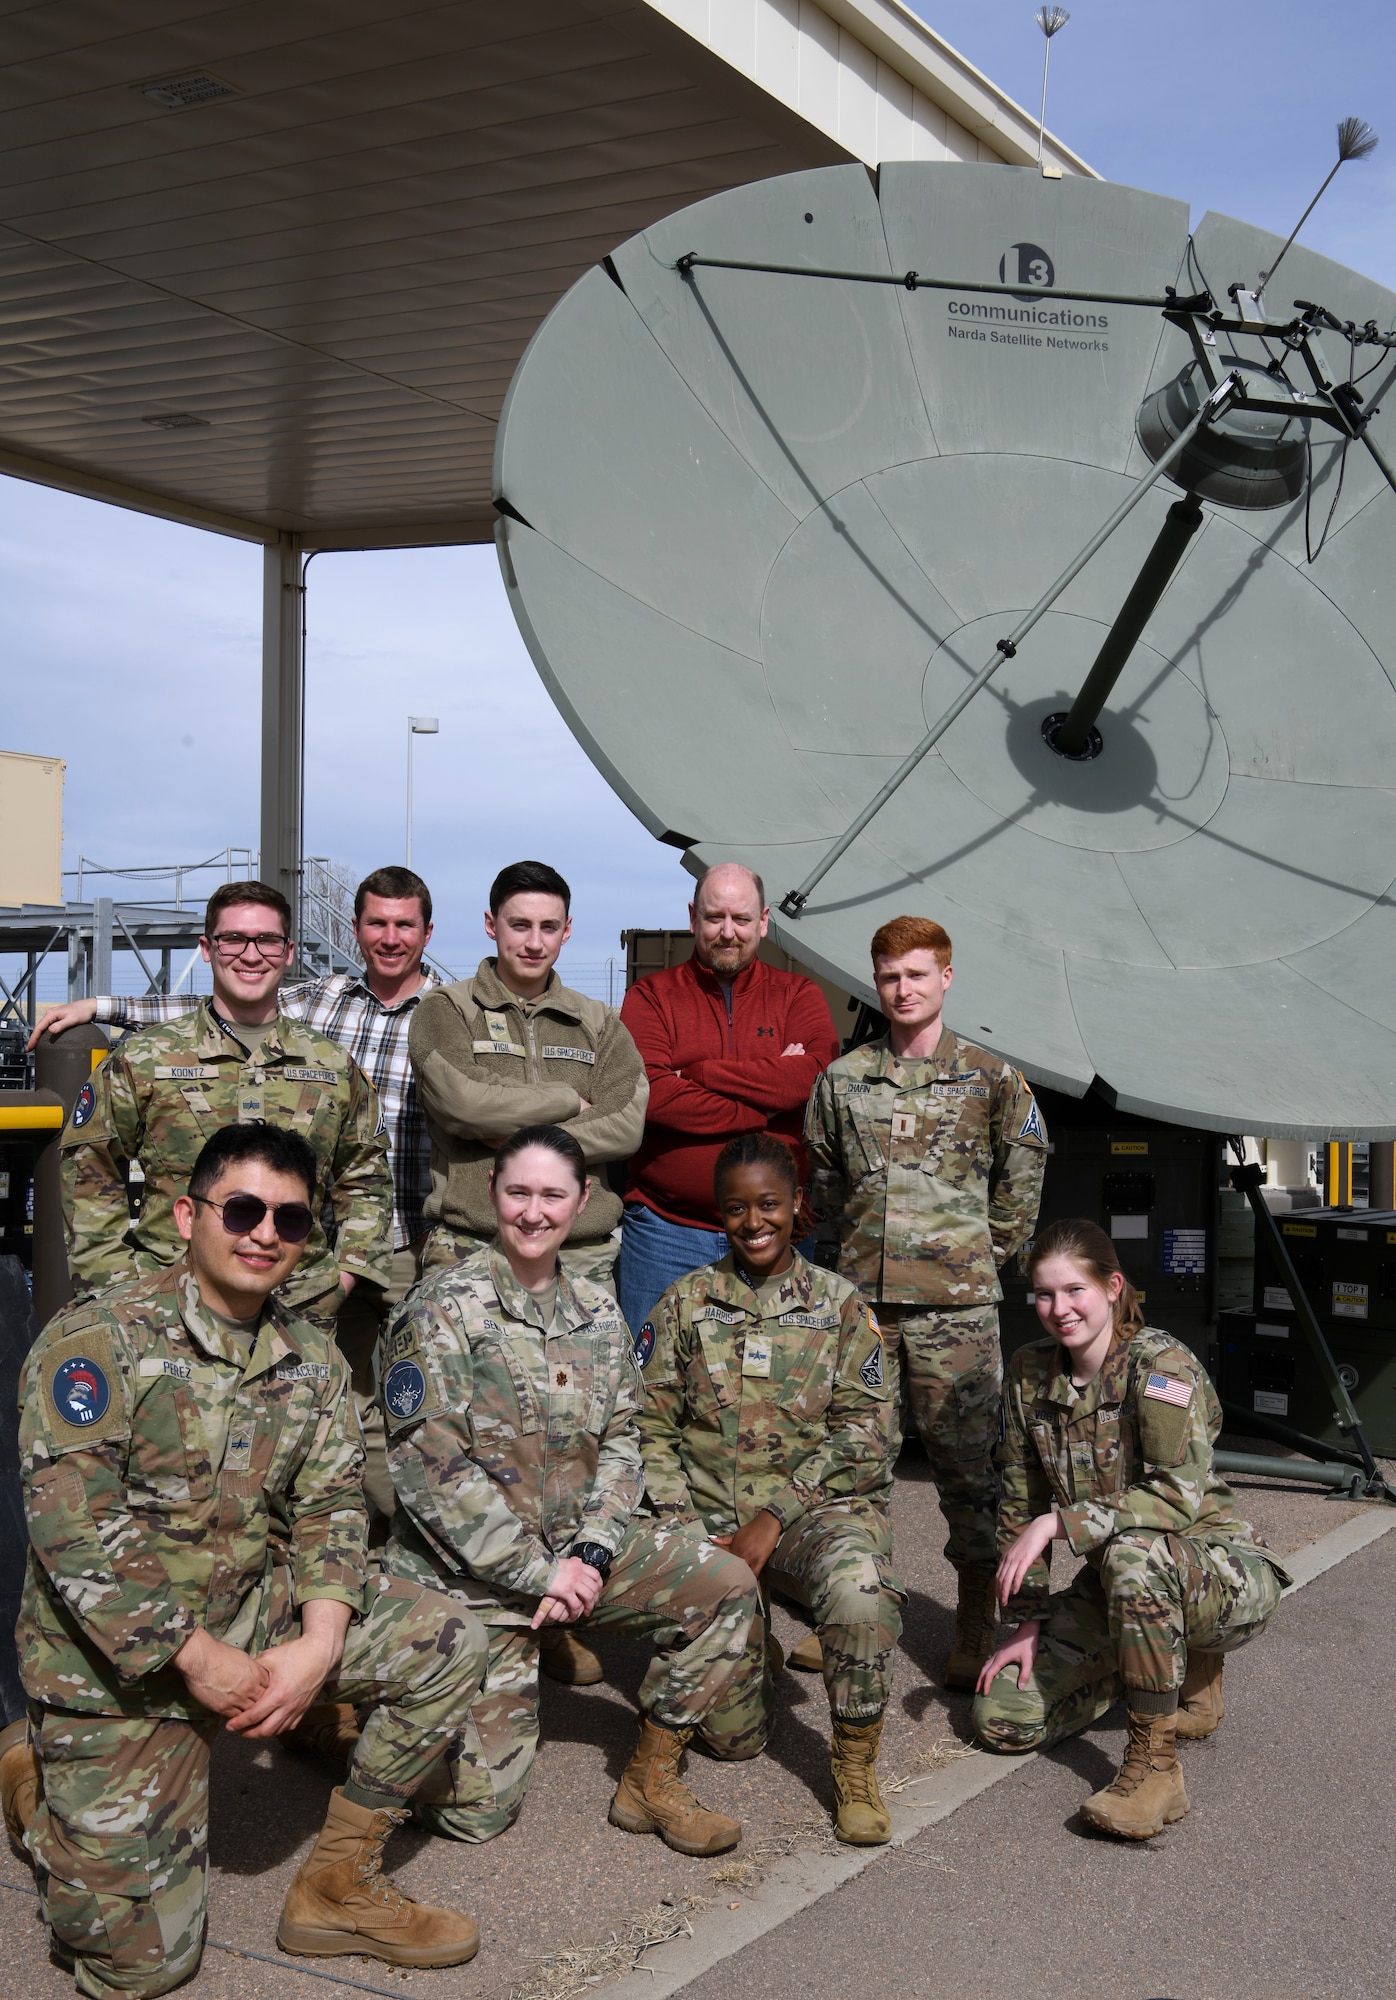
pixel 769 1421
pixel 1107 1446
pixel 510 1392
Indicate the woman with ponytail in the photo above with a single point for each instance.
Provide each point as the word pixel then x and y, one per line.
pixel 1108 1429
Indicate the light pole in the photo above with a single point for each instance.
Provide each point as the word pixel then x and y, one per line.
pixel 417 725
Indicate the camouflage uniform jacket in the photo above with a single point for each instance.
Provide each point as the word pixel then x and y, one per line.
pixel 785 1409
pixel 933 1168
pixel 1132 1450
pixel 507 1441
pixel 163 1093
pixel 166 1483
pixel 487 1063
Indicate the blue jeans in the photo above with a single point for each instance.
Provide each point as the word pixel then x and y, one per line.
pixel 653 1253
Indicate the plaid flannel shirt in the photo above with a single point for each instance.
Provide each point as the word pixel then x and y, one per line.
pixel 343 1009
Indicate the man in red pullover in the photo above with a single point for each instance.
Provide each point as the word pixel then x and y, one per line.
pixel 730 1045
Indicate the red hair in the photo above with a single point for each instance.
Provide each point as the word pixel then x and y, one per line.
pixel 904 934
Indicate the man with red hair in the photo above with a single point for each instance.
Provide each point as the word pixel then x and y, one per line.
pixel 929 1152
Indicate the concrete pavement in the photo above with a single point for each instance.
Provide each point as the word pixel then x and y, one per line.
pixel 564 1878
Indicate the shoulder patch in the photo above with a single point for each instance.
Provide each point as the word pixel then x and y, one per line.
pixel 644 1343
pixel 404 1390
pixel 82 1390
pixel 872 1374
pixel 85 1106
pixel 1032 1127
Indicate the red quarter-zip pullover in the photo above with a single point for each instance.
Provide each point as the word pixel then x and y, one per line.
pixel 716 1067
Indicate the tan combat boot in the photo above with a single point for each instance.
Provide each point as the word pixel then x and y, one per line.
pixel 20 1783
pixel 1148 1794
pixel 341 1902
pixel 563 1657
pixel 976 1622
pixel 1200 1706
pixel 862 1819
pixel 328 1729
pixel 808 1656
pixel 652 1798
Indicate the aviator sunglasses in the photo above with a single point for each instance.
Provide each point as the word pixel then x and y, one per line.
pixel 242 1213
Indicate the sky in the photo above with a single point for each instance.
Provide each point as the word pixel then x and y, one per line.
pixel 132 647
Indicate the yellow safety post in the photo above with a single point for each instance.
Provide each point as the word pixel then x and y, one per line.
pixel 1338 1180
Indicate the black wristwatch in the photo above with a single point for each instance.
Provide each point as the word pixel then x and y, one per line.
pixel 593 1554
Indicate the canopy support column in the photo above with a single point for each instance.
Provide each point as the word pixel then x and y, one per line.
pixel 283 718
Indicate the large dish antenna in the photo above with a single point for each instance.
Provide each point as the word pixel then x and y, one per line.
pixel 777 541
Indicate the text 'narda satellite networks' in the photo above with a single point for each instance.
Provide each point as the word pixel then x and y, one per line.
pixel 1037 574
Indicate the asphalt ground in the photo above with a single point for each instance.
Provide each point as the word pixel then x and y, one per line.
pixel 1293 1762
pixel 1276 1886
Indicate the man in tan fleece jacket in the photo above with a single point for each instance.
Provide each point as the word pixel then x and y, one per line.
pixel 513 1046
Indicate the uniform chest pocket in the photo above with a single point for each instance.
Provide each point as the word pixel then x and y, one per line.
pixel 863 1129
pixel 307 1105
pixel 1053 1454
pixel 269 1444
pixel 203 1101
pixel 504 1401
pixel 957 1139
pixel 712 1371
pixel 804 1364
pixel 1107 1450
pixel 169 1464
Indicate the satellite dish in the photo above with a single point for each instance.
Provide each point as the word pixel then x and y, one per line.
pixel 763 531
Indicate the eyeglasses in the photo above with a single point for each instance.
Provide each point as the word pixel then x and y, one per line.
pixel 266 944
pixel 242 1213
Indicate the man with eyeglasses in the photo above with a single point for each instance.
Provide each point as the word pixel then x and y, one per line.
pixel 147 1112
pixel 198 1561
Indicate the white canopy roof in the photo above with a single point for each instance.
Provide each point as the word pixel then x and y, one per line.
pixel 271 269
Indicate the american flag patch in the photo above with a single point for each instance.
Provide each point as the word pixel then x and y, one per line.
pixel 1168 1389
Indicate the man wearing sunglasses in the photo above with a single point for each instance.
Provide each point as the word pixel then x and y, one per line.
pixel 192 1483
pixel 149 1109
pixel 368 1014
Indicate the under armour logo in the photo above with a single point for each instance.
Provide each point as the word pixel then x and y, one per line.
pixel 766 1031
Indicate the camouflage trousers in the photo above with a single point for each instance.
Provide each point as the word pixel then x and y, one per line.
pixel 445 1246
pixel 668 1584
pixel 952 1382
pixel 361 1320
pixel 120 1843
pixel 1128 1627
pixel 837 1562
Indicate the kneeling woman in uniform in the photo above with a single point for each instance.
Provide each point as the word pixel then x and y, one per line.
pixel 509 1390
pixel 1108 1428
pixel 768 1422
